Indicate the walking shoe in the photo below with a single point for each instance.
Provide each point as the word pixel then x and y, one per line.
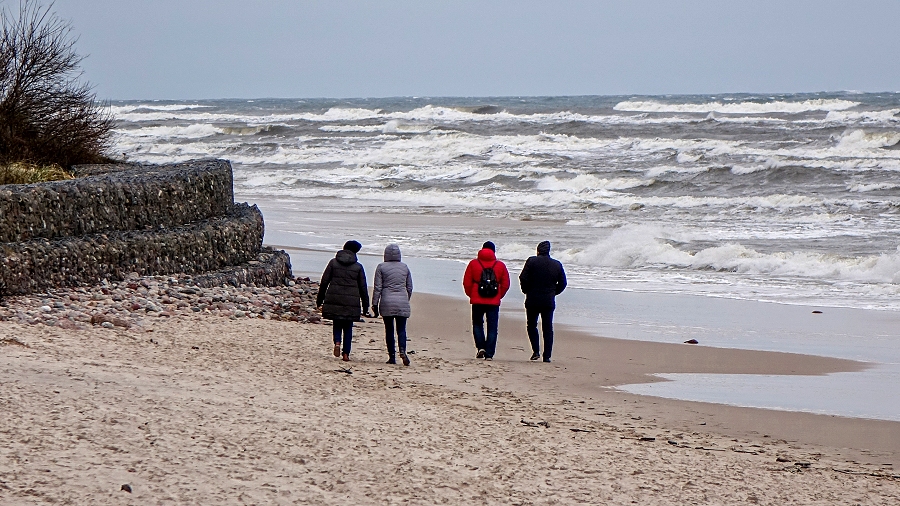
pixel 345 357
pixel 337 349
pixel 480 354
pixel 547 360
pixel 391 360
pixel 489 358
pixel 404 358
pixel 535 356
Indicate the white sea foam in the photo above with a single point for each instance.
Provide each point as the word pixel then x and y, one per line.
pixel 677 169
pixel 196 131
pixel 889 116
pixel 351 128
pixel 402 127
pixel 853 140
pixel 589 182
pixel 739 107
pixel 646 246
pixel 122 109
pixel 862 188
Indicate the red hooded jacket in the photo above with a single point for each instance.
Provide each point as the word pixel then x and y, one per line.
pixel 472 278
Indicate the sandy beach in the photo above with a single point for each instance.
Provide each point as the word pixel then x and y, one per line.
pixel 206 409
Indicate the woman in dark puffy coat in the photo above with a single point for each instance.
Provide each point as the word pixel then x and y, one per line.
pixel 343 295
pixel 393 289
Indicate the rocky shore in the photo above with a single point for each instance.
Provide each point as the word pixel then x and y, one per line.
pixel 131 303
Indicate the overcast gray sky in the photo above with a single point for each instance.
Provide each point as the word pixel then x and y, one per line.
pixel 192 49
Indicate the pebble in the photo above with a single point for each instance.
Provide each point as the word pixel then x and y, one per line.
pixel 127 304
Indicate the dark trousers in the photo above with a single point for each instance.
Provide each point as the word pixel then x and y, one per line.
pixel 546 315
pixel 486 342
pixel 389 333
pixel 343 328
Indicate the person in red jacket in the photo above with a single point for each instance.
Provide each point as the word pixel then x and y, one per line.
pixel 485 289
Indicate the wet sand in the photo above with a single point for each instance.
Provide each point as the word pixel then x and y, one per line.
pixel 588 366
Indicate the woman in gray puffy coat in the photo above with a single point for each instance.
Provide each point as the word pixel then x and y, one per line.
pixel 393 289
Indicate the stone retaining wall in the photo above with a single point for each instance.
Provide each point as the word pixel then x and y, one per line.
pixel 130 198
pixel 122 220
pixel 270 268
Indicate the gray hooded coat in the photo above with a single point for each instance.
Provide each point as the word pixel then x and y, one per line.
pixel 393 284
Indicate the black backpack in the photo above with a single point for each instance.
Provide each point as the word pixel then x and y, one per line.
pixel 488 287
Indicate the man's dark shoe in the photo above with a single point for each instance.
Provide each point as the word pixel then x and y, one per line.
pixel 480 354
pixel 404 358
pixel 547 360
pixel 345 357
pixel 391 360
pixel 535 356
pixel 337 349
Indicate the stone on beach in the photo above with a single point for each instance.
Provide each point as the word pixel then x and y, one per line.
pixel 125 305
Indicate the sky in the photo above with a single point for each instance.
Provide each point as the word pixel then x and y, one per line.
pixel 206 49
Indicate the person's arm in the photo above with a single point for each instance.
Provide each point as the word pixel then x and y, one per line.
pixel 503 278
pixel 409 285
pixel 524 281
pixel 363 289
pixel 323 284
pixel 467 277
pixel 561 280
pixel 376 291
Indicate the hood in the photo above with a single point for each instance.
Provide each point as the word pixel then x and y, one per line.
pixel 346 257
pixel 486 255
pixel 543 248
pixel 392 253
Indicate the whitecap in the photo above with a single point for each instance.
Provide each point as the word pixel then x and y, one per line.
pixel 738 107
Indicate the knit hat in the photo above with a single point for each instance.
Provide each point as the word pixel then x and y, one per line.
pixel 543 248
pixel 489 245
pixel 352 246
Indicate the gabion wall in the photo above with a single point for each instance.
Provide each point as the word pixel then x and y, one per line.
pixel 136 198
pixel 147 220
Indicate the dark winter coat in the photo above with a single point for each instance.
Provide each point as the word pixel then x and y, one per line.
pixel 343 294
pixel 393 285
pixel 541 280
pixel 472 278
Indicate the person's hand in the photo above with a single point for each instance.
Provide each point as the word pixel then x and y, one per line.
pixel 375 310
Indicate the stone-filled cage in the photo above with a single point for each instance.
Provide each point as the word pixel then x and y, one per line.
pixel 115 220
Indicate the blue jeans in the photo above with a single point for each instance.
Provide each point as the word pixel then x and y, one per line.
pixel 531 317
pixel 343 328
pixel 389 333
pixel 487 343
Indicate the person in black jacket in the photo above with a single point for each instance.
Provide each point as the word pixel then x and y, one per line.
pixel 541 280
pixel 343 295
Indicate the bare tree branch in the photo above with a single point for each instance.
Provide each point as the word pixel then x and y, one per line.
pixel 47 115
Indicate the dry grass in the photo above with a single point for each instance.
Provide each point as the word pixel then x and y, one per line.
pixel 26 173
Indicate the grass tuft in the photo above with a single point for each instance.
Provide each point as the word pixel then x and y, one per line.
pixel 27 173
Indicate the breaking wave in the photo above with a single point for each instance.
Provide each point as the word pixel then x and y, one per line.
pixel 738 107
pixel 637 247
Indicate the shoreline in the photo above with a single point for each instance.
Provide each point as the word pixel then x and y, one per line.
pixel 857 335
pixel 592 366
pixel 587 366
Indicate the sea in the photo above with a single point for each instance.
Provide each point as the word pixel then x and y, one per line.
pixel 726 218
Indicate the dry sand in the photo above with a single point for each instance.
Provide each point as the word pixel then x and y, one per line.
pixel 209 410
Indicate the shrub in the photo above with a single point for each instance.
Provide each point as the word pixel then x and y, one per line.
pixel 47 116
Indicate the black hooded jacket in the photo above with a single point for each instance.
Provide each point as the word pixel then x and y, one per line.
pixel 541 280
pixel 342 292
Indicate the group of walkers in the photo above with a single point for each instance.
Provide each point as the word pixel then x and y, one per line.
pixel 344 298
